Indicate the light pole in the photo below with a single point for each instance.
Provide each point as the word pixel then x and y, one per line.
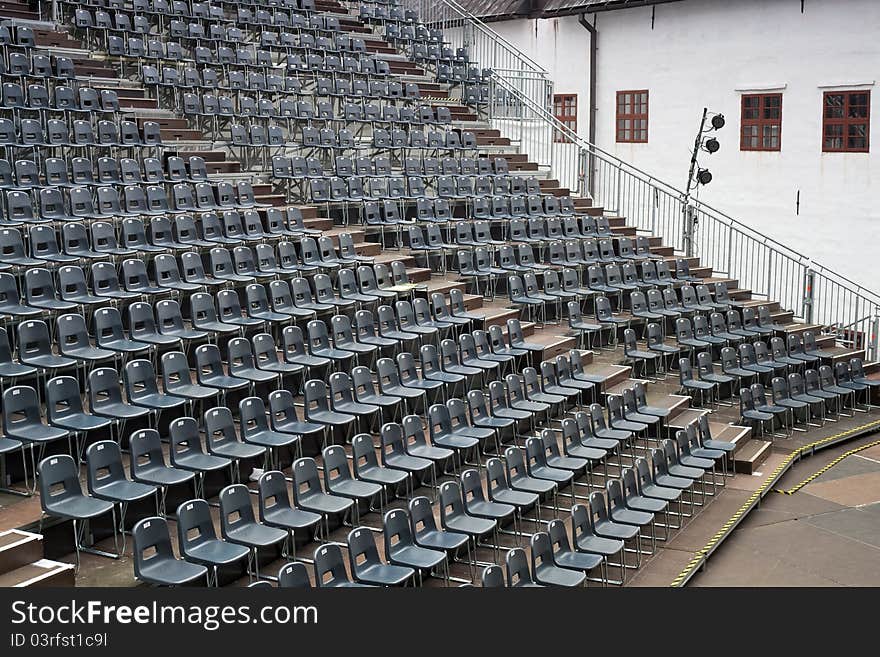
pixel 698 176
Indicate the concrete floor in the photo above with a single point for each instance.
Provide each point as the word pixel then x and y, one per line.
pixel 825 534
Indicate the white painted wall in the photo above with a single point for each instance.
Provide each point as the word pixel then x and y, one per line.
pixel 562 47
pixel 700 53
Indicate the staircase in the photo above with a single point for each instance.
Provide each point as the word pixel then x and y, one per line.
pixel 22 563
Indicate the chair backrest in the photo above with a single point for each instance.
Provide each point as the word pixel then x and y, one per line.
pixel 195 526
pixel 236 510
pixel 329 566
pixel 517 565
pixel 294 575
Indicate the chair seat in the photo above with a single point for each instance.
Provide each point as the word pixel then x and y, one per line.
pixel 445 377
pixel 454 441
pixel 355 408
pixel 158 400
pixel 193 391
pixel 269 438
pixel 223 382
pixel 323 503
pixel 306 360
pixel 236 450
pixel 567 463
pixel 698 384
pixel 158 338
pixel 47 361
pixel 593 544
pixel 185 334
pixel 254 374
pixel 78 507
pixel 290 518
pixel 490 509
pixel 171 572
pixel 631 517
pixel 119 411
pixel 217 552
pixel 125 345
pixel 530 406
pixel 83 299
pixel 492 422
pixel 550 575
pixel 36 433
pixel 656 492
pixel 331 418
pixel 417 557
pixel 686 472
pixel 650 505
pixel 299 428
pixel 609 529
pixel 577 560
pixel 561 477
pixel 383 574
pixel 216 327
pixel 704 453
pixel 18 310
pixel 80 422
pixel 10 370
pixel 356 489
pixel 201 462
pixel 163 476
pixel 639 418
pixel 123 491
pixel 256 535
pixel 470 525
pixel 406 462
pixel 9 445
pixel 382 476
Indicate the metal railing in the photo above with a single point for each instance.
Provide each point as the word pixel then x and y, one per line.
pixel 772 271
pixel 519 106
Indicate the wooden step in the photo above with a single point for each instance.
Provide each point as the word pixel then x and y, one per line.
pixel 499 316
pixel 443 287
pixel 22 563
pixel 612 374
pixel 18 548
pixel 730 433
pixel 319 223
pixel 749 459
pixel 180 134
pixel 685 417
pixel 39 574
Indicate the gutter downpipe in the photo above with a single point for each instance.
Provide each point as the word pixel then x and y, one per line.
pixel 591 169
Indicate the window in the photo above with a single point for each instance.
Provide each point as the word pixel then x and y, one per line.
pixel 845 121
pixel 761 124
pixel 632 116
pixel 565 110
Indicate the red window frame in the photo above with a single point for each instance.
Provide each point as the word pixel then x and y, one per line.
pixel 761 122
pixel 565 111
pixel 632 117
pixel 846 121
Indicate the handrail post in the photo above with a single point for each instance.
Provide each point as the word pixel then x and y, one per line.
pixel 690 222
pixel 874 346
pixel 809 280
